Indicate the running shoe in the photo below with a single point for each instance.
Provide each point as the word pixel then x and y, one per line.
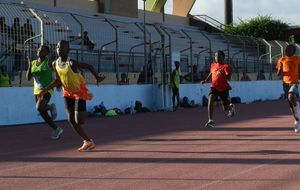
pixel 210 124
pixel 297 110
pixel 56 133
pixel 231 112
pixel 296 124
pixel 87 145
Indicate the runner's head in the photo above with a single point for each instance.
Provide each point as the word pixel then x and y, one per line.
pixel 62 48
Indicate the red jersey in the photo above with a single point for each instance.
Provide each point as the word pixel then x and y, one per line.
pixel 219 75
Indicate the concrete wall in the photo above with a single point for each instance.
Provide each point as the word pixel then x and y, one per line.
pixel 127 8
pixel 18 106
pixel 182 8
pixel 248 91
pixel 158 17
pixel 85 5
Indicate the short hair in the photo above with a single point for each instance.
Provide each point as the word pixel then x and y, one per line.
pixel 291 47
pixel 46 47
pixel 221 53
pixel 65 42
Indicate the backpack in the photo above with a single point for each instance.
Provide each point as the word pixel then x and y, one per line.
pixel 138 106
pixel 185 102
pixel 236 100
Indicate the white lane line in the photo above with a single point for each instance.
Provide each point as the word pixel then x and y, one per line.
pixel 244 172
pixel 136 167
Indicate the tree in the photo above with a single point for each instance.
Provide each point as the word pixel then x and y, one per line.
pixel 259 27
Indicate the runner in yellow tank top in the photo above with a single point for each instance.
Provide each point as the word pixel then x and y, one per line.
pixel 75 92
pixel 73 83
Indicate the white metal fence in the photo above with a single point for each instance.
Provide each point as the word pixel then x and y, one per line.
pixel 124 46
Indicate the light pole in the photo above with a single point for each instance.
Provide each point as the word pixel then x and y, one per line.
pixel 145 39
pixel 228 11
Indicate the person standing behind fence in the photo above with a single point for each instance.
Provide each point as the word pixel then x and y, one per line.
pixel 245 77
pixel 75 91
pixel 41 72
pixel 4 28
pixel 287 67
pixel 261 75
pixel 4 77
pixel 175 83
pixel 17 35
pixel 28 30
pixel 219 74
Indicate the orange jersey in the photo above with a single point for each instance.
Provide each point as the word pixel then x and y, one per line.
pixel 289 69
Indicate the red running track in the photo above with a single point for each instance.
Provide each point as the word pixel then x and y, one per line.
pixel 257 149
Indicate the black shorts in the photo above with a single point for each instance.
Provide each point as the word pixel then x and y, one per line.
pixel 175 91
pixel 75 104
pixel 223 95
pixel 46 97
pixel 290 88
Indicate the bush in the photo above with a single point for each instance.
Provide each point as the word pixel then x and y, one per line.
pixel 260 27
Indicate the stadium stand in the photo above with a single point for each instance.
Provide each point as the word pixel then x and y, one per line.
pixel 120 43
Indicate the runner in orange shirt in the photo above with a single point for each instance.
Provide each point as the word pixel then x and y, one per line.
pixel 219 74
pixel 287 67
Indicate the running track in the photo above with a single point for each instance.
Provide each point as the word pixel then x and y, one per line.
pixel 257 149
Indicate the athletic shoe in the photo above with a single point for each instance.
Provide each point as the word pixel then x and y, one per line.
pixel 53 111
pixel 231 112
pixel 297 110
pixel 296 124
pixel 210 124
pixel 87 145
pixel 56 133
pixel 174 109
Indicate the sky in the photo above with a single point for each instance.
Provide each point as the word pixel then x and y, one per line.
pixel 285 10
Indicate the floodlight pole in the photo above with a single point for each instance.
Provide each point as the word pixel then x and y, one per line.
pixel 145 38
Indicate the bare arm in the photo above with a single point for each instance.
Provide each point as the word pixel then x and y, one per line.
pixel 79 65
pixel 51 63
pixel 28 72
pixel 53 84
pixel 280 69
pixel 204 81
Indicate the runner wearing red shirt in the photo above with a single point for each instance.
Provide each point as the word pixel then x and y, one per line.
pixel 219 74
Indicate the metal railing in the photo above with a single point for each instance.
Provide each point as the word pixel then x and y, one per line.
pixel 119 45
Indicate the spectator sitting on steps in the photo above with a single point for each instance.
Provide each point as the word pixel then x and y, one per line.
pixel 245 77
pixel 124 79
pixel 87 42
